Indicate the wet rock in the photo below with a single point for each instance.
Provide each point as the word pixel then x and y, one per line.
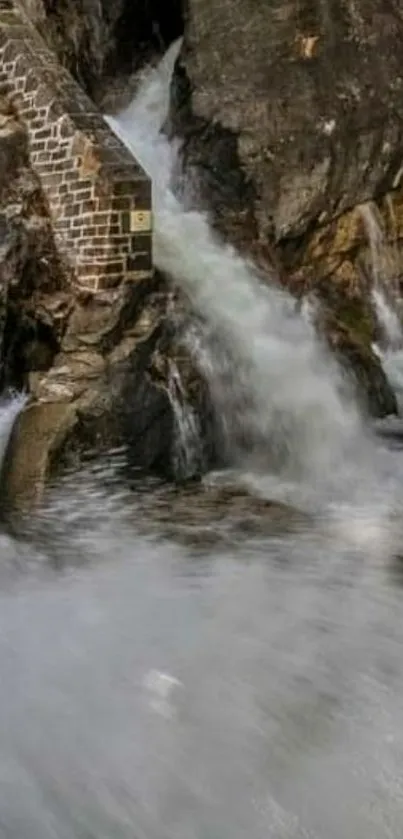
pixel 104 390
pixel 201 515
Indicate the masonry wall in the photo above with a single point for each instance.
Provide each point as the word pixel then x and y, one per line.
pixel 99 197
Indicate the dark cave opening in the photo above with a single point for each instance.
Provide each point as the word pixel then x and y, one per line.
pixel 144 30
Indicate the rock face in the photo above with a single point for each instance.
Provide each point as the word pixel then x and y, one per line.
pixel 291 114
pixel 305 98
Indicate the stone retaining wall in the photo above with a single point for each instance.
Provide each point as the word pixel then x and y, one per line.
pixel 99 197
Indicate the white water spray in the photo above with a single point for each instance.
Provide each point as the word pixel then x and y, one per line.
pixel 273 384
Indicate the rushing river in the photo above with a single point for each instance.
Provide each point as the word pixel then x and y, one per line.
pixel 193 663
pixel 225 660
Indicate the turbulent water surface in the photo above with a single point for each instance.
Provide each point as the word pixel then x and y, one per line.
pixel 223 661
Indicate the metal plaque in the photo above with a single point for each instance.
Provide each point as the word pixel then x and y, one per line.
pixel 140 221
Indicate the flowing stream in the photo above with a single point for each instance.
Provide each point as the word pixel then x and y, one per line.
pixel 220 661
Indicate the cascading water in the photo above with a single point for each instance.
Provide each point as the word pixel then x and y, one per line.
pixel 275 389
pixel 187 454
pixel 390 350
pixel 9 409
pixel 387 316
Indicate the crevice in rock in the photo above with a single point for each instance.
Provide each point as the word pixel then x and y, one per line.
pixel 29 346
pixel 143 31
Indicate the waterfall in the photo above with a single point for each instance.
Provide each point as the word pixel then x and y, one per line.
pixel 187 453
pixel 275 388
pixel 9 410
pixel 390 351
pixel 388 318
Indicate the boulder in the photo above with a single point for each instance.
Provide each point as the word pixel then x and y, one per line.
pixel 291 115
pixel 107 389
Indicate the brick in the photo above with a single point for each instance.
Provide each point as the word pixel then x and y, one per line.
pixel 123 188
pixel 58 155
pixel 140 242
pixel 121 240
pixel 43 134
pixel 38 147
pixel 89 206
pixel 125 222
pixel 101 218
pixel 72 210
pixel 139 262
pixel 42 156
pixel 121 203
pixel 70 176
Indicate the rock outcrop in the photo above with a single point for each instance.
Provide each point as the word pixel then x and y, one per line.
pixel 291 115
pixel 294 109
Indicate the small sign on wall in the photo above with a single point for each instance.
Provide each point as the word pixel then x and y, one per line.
pixel 140 221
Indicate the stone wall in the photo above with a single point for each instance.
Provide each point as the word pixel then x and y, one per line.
pixel 99 197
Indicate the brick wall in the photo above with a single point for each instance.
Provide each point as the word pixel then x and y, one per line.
pixel 99 197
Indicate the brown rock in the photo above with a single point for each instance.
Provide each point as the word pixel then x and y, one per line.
pixel 293 109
